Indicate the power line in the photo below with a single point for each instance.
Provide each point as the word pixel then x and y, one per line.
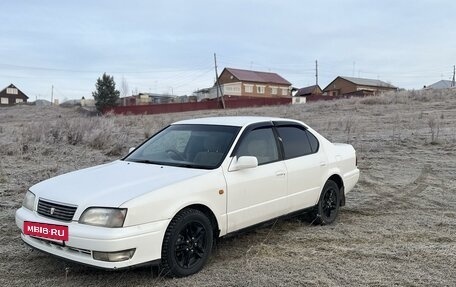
pixel 51 69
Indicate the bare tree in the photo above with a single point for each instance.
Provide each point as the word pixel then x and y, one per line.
pixel 124 90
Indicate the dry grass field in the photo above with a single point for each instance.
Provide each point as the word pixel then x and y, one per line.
pixel 397 229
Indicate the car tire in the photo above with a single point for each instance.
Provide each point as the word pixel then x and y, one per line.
pixel 187 243
pixel 328 206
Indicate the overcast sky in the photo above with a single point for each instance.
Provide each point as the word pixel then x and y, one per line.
pixel 167 46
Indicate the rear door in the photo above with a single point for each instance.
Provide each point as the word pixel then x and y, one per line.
pixel 305 164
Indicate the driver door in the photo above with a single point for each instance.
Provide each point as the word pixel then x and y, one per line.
pixel 257 194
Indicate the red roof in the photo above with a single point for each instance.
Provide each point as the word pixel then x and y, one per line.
pixel 258 77
pixel 307 90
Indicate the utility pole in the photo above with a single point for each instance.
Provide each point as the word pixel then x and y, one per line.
pixel 453 83
pixel 218 83
pixel 52 95
pixel 316 72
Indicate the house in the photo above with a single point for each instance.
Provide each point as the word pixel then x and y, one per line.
pixel 146 99
pixel 442 84
pixel 206 93
pixel 302 93
pixel 11 95
pixel 246 83
pixel 350 86
pixel 87 102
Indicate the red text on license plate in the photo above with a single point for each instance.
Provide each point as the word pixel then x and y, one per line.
pixel 51 231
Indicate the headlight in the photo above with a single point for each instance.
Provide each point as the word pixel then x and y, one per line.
pixel 101 216
pixel 29 200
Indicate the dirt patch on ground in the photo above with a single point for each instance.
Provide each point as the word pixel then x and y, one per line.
pixel 398 227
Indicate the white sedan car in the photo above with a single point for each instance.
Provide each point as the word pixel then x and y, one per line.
pixel 195 180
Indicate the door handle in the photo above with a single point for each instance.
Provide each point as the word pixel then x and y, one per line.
pixel 280 173
pixel 323 163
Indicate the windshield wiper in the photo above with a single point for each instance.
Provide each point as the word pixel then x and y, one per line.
pixel 184 165
pixel 144 161
pixel 188 165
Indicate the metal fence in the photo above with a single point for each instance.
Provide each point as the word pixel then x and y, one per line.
pixel 230 103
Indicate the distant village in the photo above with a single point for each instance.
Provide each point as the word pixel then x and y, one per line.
pixel 237 86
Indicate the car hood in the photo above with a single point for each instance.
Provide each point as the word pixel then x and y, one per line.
pixel 111 184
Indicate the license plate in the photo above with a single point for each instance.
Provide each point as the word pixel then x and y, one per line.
pixel 44 230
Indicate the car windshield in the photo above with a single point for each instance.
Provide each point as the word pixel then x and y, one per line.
pixel 192 146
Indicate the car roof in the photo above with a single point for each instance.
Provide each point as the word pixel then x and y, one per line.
pixel 238 121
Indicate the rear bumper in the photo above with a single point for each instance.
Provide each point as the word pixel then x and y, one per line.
pixel 350 180
pixel 146 239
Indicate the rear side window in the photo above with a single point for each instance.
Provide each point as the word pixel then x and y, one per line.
pixel 313 141
pixel 297 141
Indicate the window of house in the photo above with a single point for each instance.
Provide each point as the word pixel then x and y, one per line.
pixel 284 91
pixel 232 89
pixel 4 101
pixel 274 90
pixel 248 88
pixel 11 91
pixel 19 101
pixel 260 89
pixel 297 141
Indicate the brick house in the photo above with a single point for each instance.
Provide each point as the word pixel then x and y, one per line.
pixel 11 95
pixel 246 83
pixel 302 93
pixel 357 87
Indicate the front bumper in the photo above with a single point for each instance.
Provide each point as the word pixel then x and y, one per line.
pixel 84 239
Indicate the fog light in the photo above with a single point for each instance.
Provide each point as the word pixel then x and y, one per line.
pixel 114 256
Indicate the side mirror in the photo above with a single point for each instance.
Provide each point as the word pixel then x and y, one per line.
pixel 131 149
pixel 243 162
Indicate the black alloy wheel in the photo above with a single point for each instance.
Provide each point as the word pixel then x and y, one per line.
pixel 190 245
pixel 329 204
pixel 187 243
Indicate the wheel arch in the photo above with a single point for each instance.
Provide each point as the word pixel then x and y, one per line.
pixel 340 184
pixel 208 212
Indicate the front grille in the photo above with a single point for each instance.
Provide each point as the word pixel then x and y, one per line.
pixel 56 210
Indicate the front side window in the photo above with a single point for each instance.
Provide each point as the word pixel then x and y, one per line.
pixel 296 141
pixel 261 144
pixel 192 146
